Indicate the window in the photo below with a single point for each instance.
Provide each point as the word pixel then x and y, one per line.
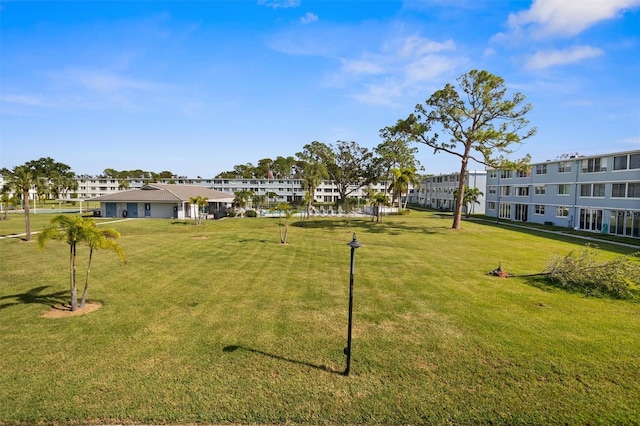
pixel 633 190
pixel 493 173
pixel 541 169
pixel 505 190
pixel 620 163
pixel 539 209
pixel 634 161
pixel 585 190
pixel 594 165
pixel 564 189
pixel 523 173
pixel 592 190
pixel 491 205
pixel 505 174
pixel 618 190
pixel 492 190
pixel 522 191
pixel 540 190
pixel 562 211
pixel 564 167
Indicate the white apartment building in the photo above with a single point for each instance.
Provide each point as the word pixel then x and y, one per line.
pixel 599 193
pixel 437 191
pixel 286 190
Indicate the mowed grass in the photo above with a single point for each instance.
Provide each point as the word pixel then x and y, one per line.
pixel 220 324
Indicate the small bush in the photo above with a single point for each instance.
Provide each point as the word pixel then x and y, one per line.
pixel 231 213
pixel 250 213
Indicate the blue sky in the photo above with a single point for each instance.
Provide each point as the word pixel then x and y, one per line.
pixel 196 87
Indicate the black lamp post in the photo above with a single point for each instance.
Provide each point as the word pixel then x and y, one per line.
pixel 354 244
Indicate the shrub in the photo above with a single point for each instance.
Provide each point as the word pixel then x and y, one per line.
pixel 250 213
pixel 231 213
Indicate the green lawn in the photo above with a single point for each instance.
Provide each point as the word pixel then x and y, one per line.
pixel 220 324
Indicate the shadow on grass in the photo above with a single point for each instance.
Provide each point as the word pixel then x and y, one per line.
pixel 233 348
pixel 35 295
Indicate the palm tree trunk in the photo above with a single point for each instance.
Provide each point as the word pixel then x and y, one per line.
pixel 27 219
pixel 86 280
pixel 74 287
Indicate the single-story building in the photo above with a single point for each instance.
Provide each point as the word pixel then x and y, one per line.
pixel 157 200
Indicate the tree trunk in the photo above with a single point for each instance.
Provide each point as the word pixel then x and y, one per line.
pixel 86 281
pixel 457 216
pixel 27 219
pixel 74 287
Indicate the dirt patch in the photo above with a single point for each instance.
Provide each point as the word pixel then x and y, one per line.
pixel 64 311
pixel 201 237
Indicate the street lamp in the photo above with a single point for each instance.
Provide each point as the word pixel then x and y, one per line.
pixel 354 244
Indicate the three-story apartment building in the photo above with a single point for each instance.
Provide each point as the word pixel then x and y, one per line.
pixel 599 193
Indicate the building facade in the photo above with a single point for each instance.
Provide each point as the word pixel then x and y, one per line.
pixel 599 193
pixel 437 192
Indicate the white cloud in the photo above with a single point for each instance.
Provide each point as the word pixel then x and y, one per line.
pixel 416 46
pixel 308 18
pixel 277 4
pixel 400 68
pixel 550 58
pixel 547 18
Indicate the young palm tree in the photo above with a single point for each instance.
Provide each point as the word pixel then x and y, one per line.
pixel 470 196
pixel 198 204
pixel 71 230
pixel 284 208
pixel 98 239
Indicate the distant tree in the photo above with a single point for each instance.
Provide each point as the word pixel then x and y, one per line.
pixel 5 199
pixel 283 167
pixel 284 209
pixel 271 196
pixel 123 184
pixel 263 167
pixel 242 198
pixel 479 121
pixel 198 203
pixel 349 165
pixel 313 171
pixel 471 197
pixel 376 200
pixel 20 180
pixel 394 153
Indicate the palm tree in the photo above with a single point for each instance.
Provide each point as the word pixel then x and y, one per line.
pixel 271 196
pixel 471 196
pixel 198 203
pixel 242 198
pixel 284 228
pixel 71 230
pixel 4 202
pixel 312 174
pixel 20 180
pixel 402 179
pixel 376 200
pixel 98 239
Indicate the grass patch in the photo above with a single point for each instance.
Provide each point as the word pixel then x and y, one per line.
pixel 220 324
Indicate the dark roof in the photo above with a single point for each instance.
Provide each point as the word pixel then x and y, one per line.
pixel 159 192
